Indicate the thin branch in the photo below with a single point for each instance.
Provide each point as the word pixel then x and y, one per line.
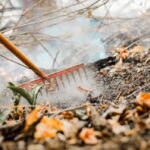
pixel 13 61
pixel 54 62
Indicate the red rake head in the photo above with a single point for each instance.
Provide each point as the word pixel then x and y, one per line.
pixel 54 76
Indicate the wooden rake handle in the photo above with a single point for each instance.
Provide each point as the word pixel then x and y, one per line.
pixel 13 49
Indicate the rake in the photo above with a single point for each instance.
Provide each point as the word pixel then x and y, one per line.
pixel 44 78
pixel 68 82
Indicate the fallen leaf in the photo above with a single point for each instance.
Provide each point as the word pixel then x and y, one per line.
pixel 97 120
pixel 139 109
pixel 67 115
pixel 32 117
pixel 87 136
pixel 117 128
pixel 20 110
pixel 113 110
pixel 71 128
pixel 143 99
pixel 47 128
pixel 137 49
pixel 122 53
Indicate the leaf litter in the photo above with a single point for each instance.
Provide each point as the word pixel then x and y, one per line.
pixel 118 119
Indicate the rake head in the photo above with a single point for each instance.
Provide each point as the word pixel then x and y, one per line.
pixel 59 78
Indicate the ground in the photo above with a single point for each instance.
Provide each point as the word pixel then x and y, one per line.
pixel 116 120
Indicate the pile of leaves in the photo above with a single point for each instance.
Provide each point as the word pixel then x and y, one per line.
pixel 107 126
pixel 118 120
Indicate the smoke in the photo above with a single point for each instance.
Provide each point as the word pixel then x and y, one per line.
pixel 69 39
pixel 73 88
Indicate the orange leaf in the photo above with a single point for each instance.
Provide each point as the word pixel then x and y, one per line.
pixel 122 53
pixel 143 99
pixel 87 136
pixel 47 128
pixel 32 118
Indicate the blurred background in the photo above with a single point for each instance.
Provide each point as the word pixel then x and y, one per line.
pixel 56 34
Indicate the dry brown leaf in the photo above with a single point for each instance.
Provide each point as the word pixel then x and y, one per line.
pixel 113 110
pixel 139 109
pixel 117 128
pixel 71 128
pixel 87 136
pixel 20 110
pixel 67 115
pixel 143 99
pixel 47 128
pixel 137 49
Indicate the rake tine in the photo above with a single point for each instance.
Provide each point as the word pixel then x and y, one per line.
pixel 57 84
pixel 84 70
pixel 46 86
pixel 67 77
pixel 41 92
pixel 46 89
pixel 79 75
pixel 61 79
pixel 57 80
pixel 73 76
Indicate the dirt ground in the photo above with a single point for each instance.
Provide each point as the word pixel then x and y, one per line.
pixel 116 120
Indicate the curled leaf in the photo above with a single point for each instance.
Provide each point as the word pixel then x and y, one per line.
pixel 34 93
pixel 122 53
pixel 29 96
pixel 87 136
pixel 20 92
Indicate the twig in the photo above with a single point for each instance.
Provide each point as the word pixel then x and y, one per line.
pixel 69 109
pixel 73 13
pixel 138 90
pixel 53 65
pixel 13 61
pixel 46 50
pixel 26 11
